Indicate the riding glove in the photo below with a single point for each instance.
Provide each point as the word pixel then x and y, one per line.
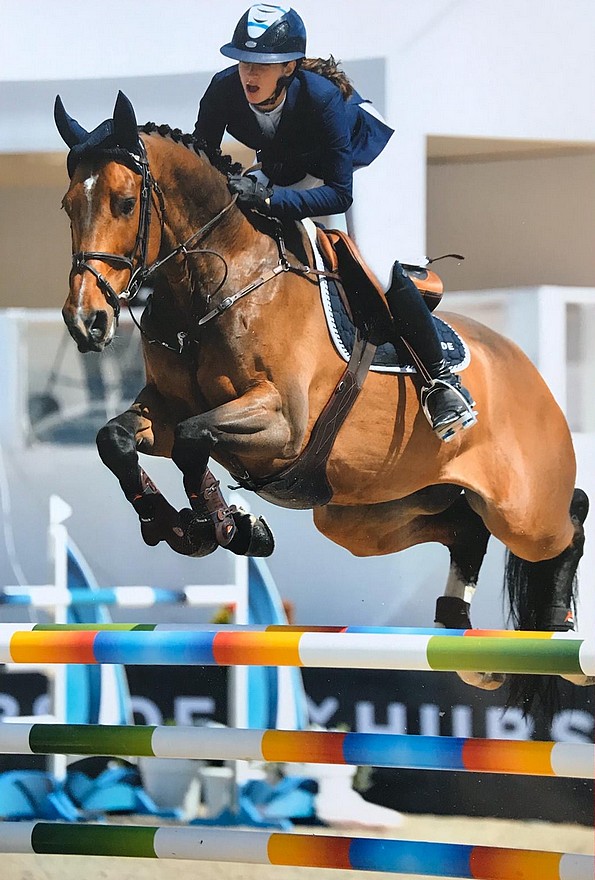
pixel 251 192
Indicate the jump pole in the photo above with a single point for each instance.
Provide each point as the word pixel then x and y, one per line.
pixel 47 596
pixel 427 859
pixel 532 653
pixel 526 758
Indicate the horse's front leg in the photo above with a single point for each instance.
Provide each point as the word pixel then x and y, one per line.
pixel 251 428
pixel 148 426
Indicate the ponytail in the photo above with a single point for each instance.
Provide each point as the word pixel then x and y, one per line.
pixel 329 69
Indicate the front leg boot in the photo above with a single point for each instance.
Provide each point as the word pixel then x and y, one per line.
pixel 199 533
pixel 209 500
pixel 159 521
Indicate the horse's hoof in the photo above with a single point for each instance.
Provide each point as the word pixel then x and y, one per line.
pixel 253 536
pixel 580 680
pixel 151 532
pixel 199 533
pixel 487 681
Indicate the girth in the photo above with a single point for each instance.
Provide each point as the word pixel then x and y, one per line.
pixel 304 483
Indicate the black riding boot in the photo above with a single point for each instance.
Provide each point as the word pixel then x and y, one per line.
pixel 447 405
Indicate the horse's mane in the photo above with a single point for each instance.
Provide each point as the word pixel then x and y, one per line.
pixel 221 161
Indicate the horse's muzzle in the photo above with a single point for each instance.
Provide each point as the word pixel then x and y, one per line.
pixel 91 331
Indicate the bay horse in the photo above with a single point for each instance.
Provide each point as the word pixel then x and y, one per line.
pixel 239 366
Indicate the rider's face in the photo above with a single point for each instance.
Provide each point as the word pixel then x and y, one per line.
pixel 260 80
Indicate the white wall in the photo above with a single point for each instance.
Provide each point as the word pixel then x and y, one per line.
pixel 485 68
pixel 516 68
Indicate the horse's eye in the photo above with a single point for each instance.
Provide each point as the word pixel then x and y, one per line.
pixel 127 206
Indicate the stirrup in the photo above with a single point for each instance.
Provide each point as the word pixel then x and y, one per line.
pixel 465 418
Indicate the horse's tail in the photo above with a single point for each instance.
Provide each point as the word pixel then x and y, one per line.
pixel 542 596
pixel 529 603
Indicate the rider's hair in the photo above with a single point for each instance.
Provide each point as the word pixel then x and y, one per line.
pixel 329 68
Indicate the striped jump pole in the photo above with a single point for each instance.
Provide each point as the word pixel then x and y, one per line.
pixel 292 628
pixel 49 596
pixel 526 758
pixel 532 653
pixel 295 850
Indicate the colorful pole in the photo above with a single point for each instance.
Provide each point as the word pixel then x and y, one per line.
pixel 525 758
pixel 121 597
pixel 275 627
pixel 542 653
pixel 303 850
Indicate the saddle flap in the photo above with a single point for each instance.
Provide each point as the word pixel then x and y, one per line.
pixel 364 296
pixel 341 254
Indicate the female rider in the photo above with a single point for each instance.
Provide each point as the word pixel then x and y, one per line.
pixel 310 134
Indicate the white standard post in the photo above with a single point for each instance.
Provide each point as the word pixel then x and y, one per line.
pixel 58 549
pixel 238 676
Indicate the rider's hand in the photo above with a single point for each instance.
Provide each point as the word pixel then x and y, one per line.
pixel 251 192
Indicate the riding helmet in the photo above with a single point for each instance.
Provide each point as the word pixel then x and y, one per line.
pixel 267 34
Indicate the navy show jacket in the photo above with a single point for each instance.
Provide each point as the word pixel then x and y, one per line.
pixel 320 133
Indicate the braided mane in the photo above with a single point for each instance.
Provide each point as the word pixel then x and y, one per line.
pixel 221 161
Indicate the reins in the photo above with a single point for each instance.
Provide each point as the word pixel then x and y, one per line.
pixel 282 266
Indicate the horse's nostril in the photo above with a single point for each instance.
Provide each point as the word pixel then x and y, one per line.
pixel 97 324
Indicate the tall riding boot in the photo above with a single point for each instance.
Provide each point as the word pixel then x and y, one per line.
pixel 447 405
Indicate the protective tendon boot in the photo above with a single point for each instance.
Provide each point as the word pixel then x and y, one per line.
pixel 447 405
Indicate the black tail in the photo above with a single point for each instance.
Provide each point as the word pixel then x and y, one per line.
pixel 542 596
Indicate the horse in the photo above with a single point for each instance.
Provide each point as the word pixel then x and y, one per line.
pixel 239 367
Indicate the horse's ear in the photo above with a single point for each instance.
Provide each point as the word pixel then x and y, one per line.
pixel 70 131
pixel 125 125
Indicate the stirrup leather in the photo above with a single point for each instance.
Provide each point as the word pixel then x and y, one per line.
pixel 465 418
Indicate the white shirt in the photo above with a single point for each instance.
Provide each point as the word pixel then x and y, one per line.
pixel 268 120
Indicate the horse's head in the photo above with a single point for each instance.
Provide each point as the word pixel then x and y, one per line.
pixel 109 204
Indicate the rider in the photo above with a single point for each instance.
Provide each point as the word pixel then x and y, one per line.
pixel 311 130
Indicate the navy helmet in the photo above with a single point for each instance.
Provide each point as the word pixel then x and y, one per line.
pixel 267 34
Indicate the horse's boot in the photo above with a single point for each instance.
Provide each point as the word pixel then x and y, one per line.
pixel 447 405
pixel 234 528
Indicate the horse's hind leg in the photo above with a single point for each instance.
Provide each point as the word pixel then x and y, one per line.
pixel 543 594
pixel 466 537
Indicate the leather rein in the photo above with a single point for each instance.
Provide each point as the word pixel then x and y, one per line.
pixel 143 270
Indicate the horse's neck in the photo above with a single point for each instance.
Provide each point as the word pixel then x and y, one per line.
pixel 195 195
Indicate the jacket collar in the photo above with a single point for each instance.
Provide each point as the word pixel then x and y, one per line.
pixel 293 91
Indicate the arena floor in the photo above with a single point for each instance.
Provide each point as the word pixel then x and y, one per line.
pixel 497 832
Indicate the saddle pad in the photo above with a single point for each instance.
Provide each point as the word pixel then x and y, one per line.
pixel 388 358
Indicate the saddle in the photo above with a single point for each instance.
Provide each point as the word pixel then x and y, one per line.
pixel 365 298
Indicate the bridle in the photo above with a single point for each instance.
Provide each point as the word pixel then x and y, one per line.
pixel 137 263
pixel 80 260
